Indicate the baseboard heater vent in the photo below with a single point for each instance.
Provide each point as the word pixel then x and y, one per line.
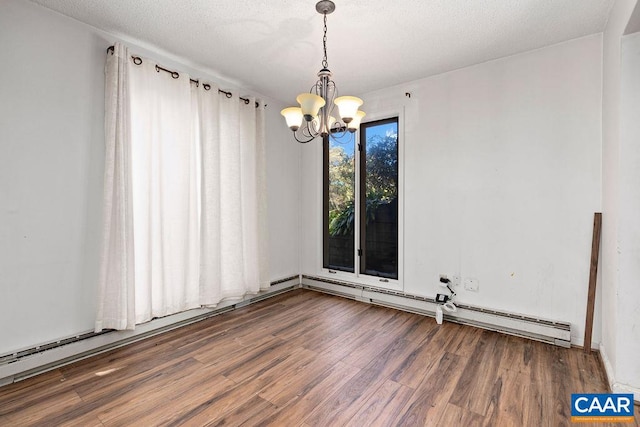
pixel 26 363
pixel 549 331
pixel 351 292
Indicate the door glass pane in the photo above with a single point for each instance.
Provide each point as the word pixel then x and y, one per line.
pixel 340 204
pixel 379 206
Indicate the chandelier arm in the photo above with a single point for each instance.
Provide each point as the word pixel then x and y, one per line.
pixel 340 133
pixel 312 130
pixel 304 134
pixel 334 92
pixel 316 87
pixel 302 141
pixel 309 131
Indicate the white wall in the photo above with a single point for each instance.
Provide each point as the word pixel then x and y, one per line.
pixel 283 174
pixel 502 170
pixel 617 319
pixel 51 154
pixel 628 305
pixel 51 142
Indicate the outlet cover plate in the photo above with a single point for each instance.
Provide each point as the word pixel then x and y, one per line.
pixel 471 284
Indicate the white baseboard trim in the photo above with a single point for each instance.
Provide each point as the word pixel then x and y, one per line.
pixel 53 358
pixel 553 332
pixel 615 386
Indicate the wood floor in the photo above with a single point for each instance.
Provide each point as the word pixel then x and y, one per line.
pixel 310 359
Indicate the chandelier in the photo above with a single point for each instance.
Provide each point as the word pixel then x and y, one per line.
pixel 315 115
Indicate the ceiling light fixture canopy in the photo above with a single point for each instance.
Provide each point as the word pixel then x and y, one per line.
pixel 314 117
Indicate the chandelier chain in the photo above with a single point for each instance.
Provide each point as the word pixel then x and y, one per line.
pixel 325 64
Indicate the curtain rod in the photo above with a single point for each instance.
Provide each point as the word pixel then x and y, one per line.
pixel 137 60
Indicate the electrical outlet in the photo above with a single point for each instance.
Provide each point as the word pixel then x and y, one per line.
pixel 472 285
pixel 454 280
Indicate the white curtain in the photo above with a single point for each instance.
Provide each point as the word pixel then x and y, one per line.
pixel 116 307
pixel 193 196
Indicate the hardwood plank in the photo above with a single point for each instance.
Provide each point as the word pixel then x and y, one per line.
pixel 455 416
pixel 306 320
pixel 220 404
pixel 39 412
pixel 454 339
pixel 258 361
pixel 473 391
pixel 508 394
pixel 165 347
pixel 389 320
pixel 279 369
pixel 462 340
pixel 562 389
pixel 136 394
pixel 313 395
pixel 33 391
pixel 145 379
pixel 216 406
pixel 415 366
pixel 102 379
pixel 392 357
pixel 318 333
pixel 419 328
pixel 371 350
pixel 229 349
pixel 88 420
pixel 281 391
pixel 517 354
pixel 334 330
pixel 383 407
pixel 164 404
pixel 344 402
pixel 25 387
pixel 541 397
pixel 291 316
pixel 252 412
pixel 585 369
pixel 430 399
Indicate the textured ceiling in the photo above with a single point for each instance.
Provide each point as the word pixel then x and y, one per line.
pixel 275 47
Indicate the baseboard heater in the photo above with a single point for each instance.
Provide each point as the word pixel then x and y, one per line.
pixel 552 332
pixel 22 364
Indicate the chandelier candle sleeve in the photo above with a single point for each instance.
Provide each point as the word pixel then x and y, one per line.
pixel 293 116
pixel 315 116
pixel 348 106
pixel 310 105
pixel 355 123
